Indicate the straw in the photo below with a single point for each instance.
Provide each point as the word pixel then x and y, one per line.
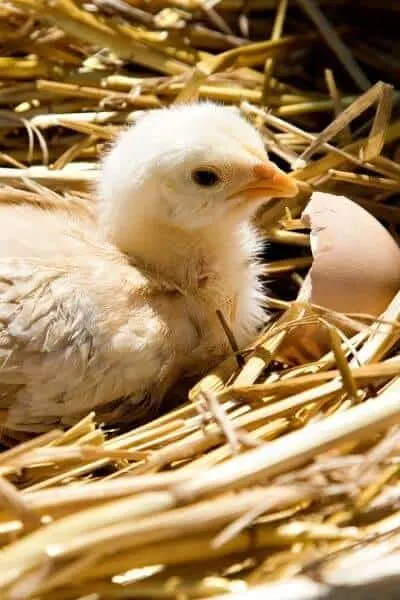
pixel 266 471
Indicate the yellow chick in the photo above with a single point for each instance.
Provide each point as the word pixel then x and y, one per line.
pixel 93 313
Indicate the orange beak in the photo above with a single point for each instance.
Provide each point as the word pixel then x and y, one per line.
pixel 269 181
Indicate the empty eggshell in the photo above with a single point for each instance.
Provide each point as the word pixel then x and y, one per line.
pixel 356 268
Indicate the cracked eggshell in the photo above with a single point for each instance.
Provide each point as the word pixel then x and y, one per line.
pixel 356 267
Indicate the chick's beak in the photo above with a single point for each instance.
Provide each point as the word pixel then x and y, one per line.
pixel 269 181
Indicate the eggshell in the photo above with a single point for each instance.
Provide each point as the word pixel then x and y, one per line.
pixel 356 267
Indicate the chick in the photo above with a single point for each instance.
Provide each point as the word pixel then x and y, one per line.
pixel 116 310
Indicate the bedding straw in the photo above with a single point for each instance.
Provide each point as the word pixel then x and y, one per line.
pixel 268 474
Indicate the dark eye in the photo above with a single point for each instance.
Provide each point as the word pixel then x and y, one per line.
pixel 205 177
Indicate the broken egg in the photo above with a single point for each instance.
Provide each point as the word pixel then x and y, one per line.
pixel 356 269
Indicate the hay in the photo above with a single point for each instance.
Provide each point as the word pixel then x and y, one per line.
pixel 266 472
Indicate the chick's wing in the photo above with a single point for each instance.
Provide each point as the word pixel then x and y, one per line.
pixel 76 329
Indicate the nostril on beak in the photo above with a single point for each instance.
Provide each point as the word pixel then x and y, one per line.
pixel 279 181
pixel 265 171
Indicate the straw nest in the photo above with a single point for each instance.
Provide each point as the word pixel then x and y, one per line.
pixel 271 472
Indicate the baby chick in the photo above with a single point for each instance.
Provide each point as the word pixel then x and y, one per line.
pixel 95 313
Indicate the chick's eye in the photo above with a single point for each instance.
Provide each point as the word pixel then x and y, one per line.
pixel 205 177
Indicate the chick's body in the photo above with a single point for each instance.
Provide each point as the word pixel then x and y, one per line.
pixel 80 326
pixel 85 320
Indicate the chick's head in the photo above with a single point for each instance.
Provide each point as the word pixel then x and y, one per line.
pixel 190 166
